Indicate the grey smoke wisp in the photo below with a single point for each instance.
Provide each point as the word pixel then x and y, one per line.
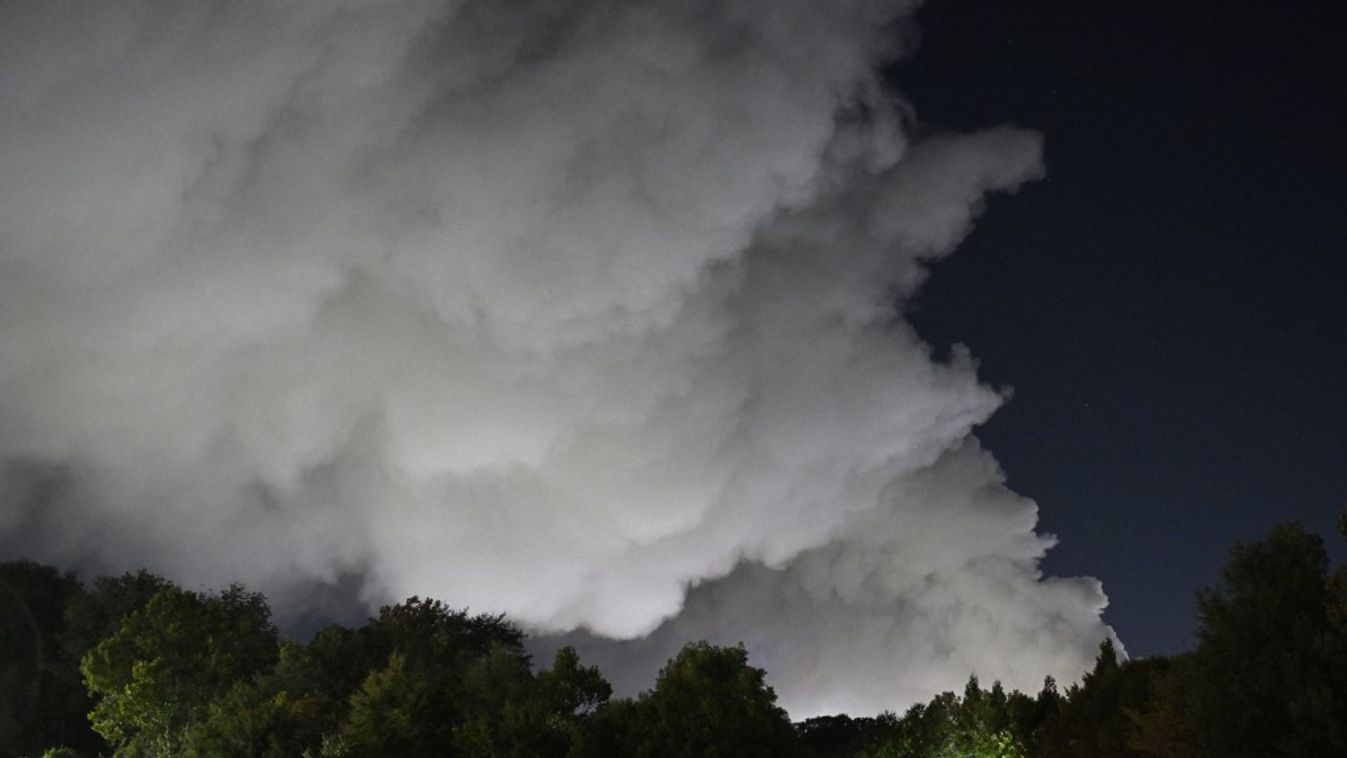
pixel 585 312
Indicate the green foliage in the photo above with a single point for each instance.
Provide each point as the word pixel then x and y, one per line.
pixel 388 715
pixel 571 691
pixel 172 672
pixel 290 710
pixel 614 729
pixel 422 679
pixel 506 714
pixel 521 716
pixel 708 701
pixel 47 623
pixel 451 684
pixel 97 613
pixel 158 673
pixel 981 724
pixel 260 718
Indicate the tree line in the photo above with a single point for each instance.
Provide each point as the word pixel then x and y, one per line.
pixel 136 666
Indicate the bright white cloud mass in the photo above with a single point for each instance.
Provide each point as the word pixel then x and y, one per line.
pixel 585 312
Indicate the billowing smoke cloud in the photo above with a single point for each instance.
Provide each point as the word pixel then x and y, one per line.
pixel 586 312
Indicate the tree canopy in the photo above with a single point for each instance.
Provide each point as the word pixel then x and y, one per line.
pixel 136 666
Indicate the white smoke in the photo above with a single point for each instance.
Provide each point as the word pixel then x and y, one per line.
pixel 547 307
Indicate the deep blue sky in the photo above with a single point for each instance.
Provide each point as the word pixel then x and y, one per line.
pixel 1170 306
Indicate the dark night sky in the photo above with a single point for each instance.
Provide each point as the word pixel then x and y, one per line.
pixel 1169 305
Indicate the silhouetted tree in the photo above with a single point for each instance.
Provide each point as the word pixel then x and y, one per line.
pixel 614 729
pixel 838 736
pixel 172 672
pixel 1092 722
pixel 1168 725
pixel 1263 665
pixel 707 702
pixel 41 700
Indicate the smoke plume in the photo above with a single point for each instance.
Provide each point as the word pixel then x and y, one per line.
pixel 588 312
